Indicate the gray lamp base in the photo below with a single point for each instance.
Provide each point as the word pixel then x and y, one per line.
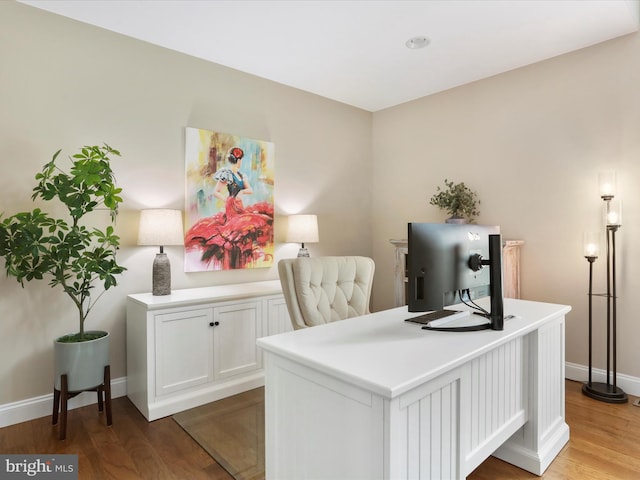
pixel 303 252
pixel 161 275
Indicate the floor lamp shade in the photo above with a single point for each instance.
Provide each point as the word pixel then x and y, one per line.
pixel 303 229
pixel 607 185
pixel 591 244
pixel 161 227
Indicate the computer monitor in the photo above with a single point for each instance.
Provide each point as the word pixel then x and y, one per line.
pixel 450 262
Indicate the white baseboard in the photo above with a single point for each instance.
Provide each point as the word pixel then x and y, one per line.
pixel 32 408
pixel 580 373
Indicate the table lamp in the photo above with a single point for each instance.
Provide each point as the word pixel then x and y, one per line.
pixel 303 229
pixel 161 227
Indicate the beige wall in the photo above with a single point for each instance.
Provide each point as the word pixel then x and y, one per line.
pixel 531 142
pixel 64 84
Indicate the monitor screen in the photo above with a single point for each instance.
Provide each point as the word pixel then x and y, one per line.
pixel 438 264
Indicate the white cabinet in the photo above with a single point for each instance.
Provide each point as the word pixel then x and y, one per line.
pixel 184 335
pixel 237 326
pixel 199 345
pixel 278 320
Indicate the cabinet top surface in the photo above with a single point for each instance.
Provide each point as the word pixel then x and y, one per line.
pixel 388 356
pixel 204 294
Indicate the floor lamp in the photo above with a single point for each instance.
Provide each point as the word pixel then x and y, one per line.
pixel 606 391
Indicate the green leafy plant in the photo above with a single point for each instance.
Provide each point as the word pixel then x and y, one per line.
pixel 35 245
pixel 457 200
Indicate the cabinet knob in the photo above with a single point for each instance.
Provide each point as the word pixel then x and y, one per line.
pixel 214 324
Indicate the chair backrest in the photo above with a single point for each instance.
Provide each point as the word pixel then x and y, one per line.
pixel 325 289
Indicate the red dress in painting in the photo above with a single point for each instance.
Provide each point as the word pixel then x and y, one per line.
pixel 236 237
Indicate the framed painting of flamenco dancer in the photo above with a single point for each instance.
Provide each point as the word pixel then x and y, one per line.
pixel 229 202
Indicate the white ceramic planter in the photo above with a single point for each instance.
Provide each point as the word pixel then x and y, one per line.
pixel 83 363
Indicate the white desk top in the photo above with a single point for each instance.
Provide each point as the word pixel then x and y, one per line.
pixel 191 296
pixel 383 353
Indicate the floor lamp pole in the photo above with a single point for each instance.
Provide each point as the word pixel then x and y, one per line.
pixel 614 316
pixel 608 305
pixel 590 260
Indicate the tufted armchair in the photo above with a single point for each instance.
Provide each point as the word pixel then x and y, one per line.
pixel 320 290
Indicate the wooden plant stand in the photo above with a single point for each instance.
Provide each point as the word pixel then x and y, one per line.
pixel 104 398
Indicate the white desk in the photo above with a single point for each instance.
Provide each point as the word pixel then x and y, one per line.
pixel 375 397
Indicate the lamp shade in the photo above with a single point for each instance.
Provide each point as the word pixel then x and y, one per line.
pixel 591 244
pixel 607 185
pixel 303 229
pixel 160 226
pixel 613 213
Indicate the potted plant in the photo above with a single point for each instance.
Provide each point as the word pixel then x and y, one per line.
pixel 36 245
pixel 457 200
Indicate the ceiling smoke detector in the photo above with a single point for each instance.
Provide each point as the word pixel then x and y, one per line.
pixel 417 42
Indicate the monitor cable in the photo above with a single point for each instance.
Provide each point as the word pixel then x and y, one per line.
pixel 478 310
pixel 471 304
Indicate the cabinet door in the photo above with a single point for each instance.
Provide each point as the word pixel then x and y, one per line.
pixel 238 326
pixel 184 350
pixel 278 320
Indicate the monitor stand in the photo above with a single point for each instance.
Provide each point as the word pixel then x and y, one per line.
pixel 496 317
pixel 469 324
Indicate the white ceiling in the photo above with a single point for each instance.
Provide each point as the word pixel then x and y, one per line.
pixel 354 51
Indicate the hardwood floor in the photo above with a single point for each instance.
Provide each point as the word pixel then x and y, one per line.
pixel 604 445
pixel 130 449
